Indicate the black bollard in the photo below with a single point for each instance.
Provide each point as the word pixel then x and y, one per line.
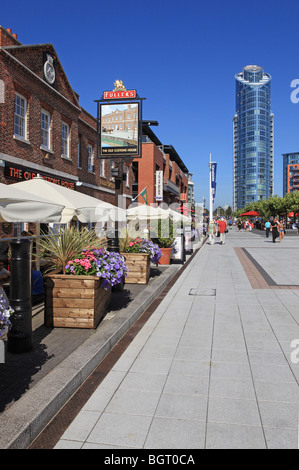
pixel 19 338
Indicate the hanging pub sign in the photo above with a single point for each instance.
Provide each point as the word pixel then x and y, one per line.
pixel 119 123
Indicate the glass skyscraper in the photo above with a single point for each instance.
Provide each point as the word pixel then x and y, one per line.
pixel 253 137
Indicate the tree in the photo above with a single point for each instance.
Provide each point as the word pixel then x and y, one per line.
pixel 228 212
pixel 274 206
pixel 292 202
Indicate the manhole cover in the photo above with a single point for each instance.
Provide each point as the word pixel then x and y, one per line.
pixel 210 292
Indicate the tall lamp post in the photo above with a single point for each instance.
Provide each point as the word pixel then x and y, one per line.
pixel 19 338
pixel 119 176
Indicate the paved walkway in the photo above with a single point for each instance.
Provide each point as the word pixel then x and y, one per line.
pixel 214 366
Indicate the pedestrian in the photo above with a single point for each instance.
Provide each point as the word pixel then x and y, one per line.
pixel 212 231
pixel 239 225
pixel 267 226
pixel 280 230
pixel 222 229
pixel 274 229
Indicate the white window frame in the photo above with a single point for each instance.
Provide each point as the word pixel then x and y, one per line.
pixel 22 117
pixel 111 167
pixel 65 140
pixel 90 159
pixel 102 168
pixel 46 131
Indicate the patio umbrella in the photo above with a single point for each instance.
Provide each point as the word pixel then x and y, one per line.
pixel 145 212
pixel 178 217
pixel 19 206
pixel 253 213
pixel 75 204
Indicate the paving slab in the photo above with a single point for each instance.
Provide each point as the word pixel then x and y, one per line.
pixel 212 367
pixel 218 355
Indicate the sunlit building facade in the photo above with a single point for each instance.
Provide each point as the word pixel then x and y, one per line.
pixel 253 138
pixel 290 172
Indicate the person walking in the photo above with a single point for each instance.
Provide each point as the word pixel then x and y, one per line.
pixel 239 225
pixel 268 226
pixel 280 230
pixel 274 229
pixel 212 231
pixel 222 228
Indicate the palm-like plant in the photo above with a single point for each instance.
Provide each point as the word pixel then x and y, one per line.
pixel 59 248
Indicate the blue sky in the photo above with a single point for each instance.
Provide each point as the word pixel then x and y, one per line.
pixel 182 57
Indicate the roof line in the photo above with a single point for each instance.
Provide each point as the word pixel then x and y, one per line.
pixel 45 83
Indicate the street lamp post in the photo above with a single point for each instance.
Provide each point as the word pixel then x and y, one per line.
pixel 119 175
pixel 19 338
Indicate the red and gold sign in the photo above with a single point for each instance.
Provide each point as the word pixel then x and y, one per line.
pixel 112 95
pixel 119 92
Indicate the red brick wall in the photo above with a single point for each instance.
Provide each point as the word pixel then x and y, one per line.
pixel 151 156
pixel 62 106
pixel 7 38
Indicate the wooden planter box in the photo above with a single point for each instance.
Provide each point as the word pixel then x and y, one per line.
pixel 138 265
pixel 74 301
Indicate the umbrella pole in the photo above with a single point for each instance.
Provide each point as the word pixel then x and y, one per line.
pixel 19 338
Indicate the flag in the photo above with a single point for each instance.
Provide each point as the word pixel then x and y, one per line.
pixel 144 195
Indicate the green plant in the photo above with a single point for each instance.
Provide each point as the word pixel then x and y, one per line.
pixel 141 245
pixel 127 235
pixel 59 248
pixel 165 236
pixel 108 266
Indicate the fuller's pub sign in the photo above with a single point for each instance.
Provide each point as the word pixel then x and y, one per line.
pixel 120 123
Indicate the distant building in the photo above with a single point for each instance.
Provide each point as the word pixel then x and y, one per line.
pixel 191 199
pixel 290 172
pixel 252 137
pixel 159 157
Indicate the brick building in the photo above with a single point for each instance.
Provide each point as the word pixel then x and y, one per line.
pixel 43 128
pixel 158 157
pixel 292 178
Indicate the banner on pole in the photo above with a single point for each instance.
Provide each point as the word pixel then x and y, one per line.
pixel 159 185
pixel 213 179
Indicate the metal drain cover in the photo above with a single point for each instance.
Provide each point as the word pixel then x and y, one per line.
pixel 207 292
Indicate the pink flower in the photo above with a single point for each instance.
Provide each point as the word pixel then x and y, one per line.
pixel 85 263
